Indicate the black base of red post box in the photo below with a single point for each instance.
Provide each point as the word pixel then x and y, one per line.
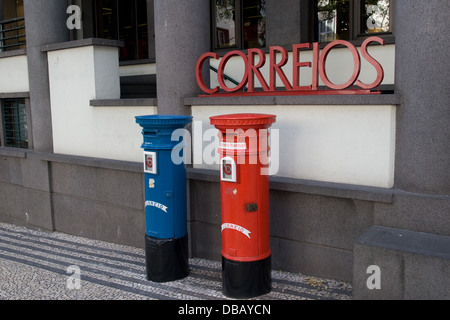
pixel 244 280
pixel 166 260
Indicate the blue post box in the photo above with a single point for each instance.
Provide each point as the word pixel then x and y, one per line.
pixel 166 239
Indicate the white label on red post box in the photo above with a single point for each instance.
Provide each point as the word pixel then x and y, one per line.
pixel 237 228
pixel 228 169
pixel 233 145
pixel 150 164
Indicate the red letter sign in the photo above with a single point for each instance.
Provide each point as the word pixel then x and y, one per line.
pixel 275 68
pixel 254 70
pixel 199 72
pixel 323 58
pixel 372 61
pixel 318 64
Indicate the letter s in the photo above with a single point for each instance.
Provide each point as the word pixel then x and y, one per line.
pixel 372 61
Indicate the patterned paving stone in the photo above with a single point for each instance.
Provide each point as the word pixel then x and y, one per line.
pixel 37 265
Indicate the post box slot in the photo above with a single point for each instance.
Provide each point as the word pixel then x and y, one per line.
pixel 152 133
pixel 251 207
pixel 230 134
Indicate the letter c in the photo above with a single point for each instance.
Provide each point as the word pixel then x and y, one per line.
pixel 199 72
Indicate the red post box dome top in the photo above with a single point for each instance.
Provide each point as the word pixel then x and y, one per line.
pixel 243 120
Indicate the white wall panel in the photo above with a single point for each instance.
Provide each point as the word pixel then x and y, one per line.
pixel 78 75
pixel 341 144
pixel 14 74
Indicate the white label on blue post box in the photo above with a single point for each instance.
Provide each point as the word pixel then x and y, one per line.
pixel 228 169
pixel 150 162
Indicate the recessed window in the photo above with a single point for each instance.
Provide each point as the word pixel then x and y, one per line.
pixel 244 24
pixel 14 123
pixel 225 23
pixel 333 20
pixel 352 19
pixel 239 24
pixel 376 16
pixel 12 25
pixel 124 20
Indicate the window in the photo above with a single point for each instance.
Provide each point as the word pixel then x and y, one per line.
pixel 244 24
pixel 14 123
pixel 239 24
pixel 352 19
pixel 376 17
pixel 12 25
pixel 124 20
pixel 333 20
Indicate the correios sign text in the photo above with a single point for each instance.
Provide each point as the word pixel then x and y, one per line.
pixel 292 86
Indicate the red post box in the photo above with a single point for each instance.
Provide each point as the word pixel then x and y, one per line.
pixel 246 253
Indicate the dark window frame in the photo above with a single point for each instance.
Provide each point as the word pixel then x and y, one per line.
pixel 12 26
pixel 356 24
pixel 115 33
pixel 239 28
pixel 3 133
pixel 307 27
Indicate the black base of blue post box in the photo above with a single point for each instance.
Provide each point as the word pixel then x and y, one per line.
pixel 166 259
pixel 243 280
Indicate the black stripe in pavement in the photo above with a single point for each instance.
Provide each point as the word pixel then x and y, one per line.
pixel 282 289
pixel 208 268
pixel 93 247
pixel 87 278
pixel 195 269
pixel 37 247
pixel 102 272
pixel 281 282
pixel 38 241
pixel 79 259
pixel 311 287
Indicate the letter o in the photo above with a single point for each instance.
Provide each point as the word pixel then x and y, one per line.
pixel 322 60
pixel 220 72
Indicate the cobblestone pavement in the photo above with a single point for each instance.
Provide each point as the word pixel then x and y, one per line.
pixel 36 265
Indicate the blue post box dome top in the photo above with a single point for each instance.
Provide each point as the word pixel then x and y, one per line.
pixel 164 120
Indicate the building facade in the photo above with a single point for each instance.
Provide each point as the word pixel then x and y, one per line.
pixel 361 179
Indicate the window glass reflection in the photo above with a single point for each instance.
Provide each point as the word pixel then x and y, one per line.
pixel 225 23
pixel 333 20
pixel 124 20
pixel 375 16
pixel 254 16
